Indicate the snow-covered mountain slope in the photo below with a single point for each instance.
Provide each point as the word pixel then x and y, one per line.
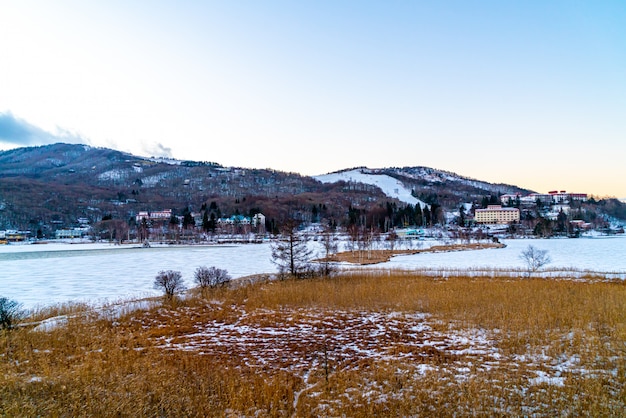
pixel 390 186
pixel 434 176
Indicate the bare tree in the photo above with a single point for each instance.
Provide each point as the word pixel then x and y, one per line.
pixel 329 247
pixel 364 243
pixel 353 234
pixel 115 229
pixel 392 238
pixel 211 277
pixel 170 282
pixel 535 258
pixel 291 252
pixel 143 230
pixel 10 313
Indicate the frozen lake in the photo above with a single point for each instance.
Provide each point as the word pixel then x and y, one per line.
pixel 46 274
pixel 599 254
pixel 41 275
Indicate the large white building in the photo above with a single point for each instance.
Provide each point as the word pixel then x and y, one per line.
pixel 564 197
pixel 71 232
pixel 159 215
pixel 553 197
pixel 496 214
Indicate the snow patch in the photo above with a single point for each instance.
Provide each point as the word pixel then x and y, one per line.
pixel 544 378
pixel 164 160
pixel 113 175
pixel 152 181
pixel 438 176
pixel 392 187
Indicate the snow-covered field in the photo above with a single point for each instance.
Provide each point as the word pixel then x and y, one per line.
pixel 41 275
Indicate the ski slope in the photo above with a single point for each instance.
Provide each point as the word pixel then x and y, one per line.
pixel 389 185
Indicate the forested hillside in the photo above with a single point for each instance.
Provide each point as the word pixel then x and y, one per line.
pixel 46 188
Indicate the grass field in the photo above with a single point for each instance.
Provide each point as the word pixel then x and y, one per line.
pixel 362 344
pixel 372 256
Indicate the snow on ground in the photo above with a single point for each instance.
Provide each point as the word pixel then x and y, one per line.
pixel 55 273
pixel 165 160
pixel 113 175
pixel 389 185
pixel 299 340
pixel 309 342
pixel 151 181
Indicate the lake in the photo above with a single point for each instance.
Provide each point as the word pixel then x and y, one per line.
pixel 46 274
pixel 41 275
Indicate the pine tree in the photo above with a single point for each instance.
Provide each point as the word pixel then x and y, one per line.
pixel 419 216
pixel 427 217
pixel 205 221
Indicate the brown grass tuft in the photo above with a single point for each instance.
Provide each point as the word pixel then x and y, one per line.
pixel 367 257
pixel 363 344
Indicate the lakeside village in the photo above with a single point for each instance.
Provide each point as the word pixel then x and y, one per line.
pixel 556 213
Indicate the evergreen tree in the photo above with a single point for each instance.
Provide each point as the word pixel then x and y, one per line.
pixel 427 216
pixel 187 218
pixel 205 221
pixel 353 215
pixel 419 215
pixel 314 214
pixel 390 210
pixel 561 222
pixel 462 215
pixel 543 228
pixel 436 214
pixel 410 214
pixel 212 223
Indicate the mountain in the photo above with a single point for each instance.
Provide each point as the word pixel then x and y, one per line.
pixel 49 187
pixel 52 186
pixel 423 185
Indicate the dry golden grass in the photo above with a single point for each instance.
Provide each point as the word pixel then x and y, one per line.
pixel 367 257
pixel 364 344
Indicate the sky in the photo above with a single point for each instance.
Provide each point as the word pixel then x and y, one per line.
pixel 531 93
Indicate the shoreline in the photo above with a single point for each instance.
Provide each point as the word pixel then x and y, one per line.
pixel 369 257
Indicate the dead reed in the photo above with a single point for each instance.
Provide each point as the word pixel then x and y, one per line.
pixel 364 344
pixel 375 256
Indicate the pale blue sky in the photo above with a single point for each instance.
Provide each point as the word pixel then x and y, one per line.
pixel 525 92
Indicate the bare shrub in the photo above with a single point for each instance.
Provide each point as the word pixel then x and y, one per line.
pixel 10 313
pixel 211 277
pixel 535 258
pixel 170 281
